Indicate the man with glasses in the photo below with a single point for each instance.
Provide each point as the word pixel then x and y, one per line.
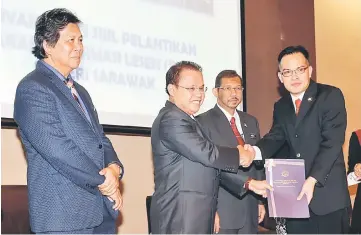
pixel 311 119
pixel 186 163
pixel 227 126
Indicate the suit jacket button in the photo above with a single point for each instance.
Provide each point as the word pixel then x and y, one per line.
pixel 296 136
pixel 326 177
pixel 298 155
pixel 100 146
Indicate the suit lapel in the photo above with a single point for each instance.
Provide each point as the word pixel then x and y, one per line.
pixel 63 89
pixel 307 101
pixel 171 106
pixel 245 129
pixel 290 110
pixel 89 107
pixel 223 126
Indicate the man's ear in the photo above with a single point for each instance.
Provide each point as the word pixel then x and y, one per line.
pixel 280 77
pixel 170 89
pixel 47 48
pixel 215 92
pixel 310 69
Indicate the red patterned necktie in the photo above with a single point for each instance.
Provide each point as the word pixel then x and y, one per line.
pixel 70 84
pixel 236 132
pixel 298 105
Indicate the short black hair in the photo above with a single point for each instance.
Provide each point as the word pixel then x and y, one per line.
pixel 47 28
pixel 292 50
pixel 228 73
pixel 172 75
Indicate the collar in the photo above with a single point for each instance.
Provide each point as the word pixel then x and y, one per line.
pixel 169 103
pixel 229 116
pixel 299 97
pixel 57 73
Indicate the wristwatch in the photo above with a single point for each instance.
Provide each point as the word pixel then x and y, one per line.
pixel 121 167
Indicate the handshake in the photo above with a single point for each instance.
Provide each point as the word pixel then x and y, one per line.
pixel 246 155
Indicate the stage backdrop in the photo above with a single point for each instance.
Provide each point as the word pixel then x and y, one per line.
pixel 129 46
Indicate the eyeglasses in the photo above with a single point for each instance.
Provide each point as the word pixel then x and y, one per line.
pixel 298 71
pixel 194 89
pixel 229 89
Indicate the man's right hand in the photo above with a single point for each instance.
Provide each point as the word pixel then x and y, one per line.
pixel 117 199
pixel 246 157
pixel 260 187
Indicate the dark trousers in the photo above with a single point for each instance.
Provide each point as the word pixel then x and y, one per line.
pixel 356 213
pixel 250 227
pixel 337 222
pixel 244 230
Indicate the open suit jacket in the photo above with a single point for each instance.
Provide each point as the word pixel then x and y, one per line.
pixel 64 152
pixel 235 211
pixel 354 158
pixel 316 135
pixel 186 173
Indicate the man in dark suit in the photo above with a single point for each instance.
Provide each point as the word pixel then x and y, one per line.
pixel 354 167
pixel 73 170
pixel 186 162
pixel 226 126
pixel 312 120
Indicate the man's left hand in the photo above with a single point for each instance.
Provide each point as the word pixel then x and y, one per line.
pixel 111 182
pixel 217 225
pixel 260 187
pixel 307 189
pixel 261 213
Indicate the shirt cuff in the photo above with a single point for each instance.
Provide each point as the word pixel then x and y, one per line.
pixel 258 156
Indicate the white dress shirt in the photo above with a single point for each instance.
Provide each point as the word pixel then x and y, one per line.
pixel 236 117
pixel 294 98
pixel 239 127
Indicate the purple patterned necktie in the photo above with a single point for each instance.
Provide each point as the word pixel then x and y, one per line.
pixel 70 84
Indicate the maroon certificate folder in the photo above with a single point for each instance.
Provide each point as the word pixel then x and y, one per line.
pixel 286 176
